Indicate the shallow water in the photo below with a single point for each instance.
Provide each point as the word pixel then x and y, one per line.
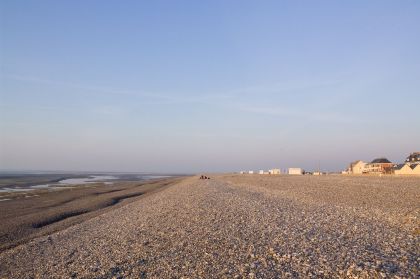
pixel 77 181
pixel 10 190
pixel 86 180
pixel 69 182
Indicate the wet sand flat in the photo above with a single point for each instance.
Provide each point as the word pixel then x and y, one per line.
pixel 25 215
pixel 240 226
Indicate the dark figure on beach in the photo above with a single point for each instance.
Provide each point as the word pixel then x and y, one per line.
pixel 204 177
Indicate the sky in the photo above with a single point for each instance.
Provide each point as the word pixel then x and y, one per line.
pixel 216 86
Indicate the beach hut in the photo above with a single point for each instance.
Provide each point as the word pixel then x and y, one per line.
pixel 295 171
pixel 274 171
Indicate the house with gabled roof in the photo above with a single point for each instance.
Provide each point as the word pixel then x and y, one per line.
pixel 357 167
pixel 406 169
pixel 402 169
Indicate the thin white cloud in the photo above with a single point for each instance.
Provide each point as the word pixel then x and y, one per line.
pixel 322 116
pixel 290 86
pixel 274 111
pixel 88 88
pixel 151 97
pixel 235 99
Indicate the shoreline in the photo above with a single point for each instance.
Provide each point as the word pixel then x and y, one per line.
pixel 46 212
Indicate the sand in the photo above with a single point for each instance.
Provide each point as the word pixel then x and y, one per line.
pixel 235 226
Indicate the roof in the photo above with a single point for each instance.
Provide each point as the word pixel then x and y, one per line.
pixel 381 161
pixel 415 156
pixel 398 167
pixel 352 164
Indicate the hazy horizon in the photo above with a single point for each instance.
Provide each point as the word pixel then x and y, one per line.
pixel 185 87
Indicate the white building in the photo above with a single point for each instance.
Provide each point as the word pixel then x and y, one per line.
pixel 251 172
pixel 357 167
pixel 261 172
pixel 274 171
pixel 295 171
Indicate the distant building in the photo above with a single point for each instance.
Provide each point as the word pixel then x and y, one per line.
pixel 295 171
pixel 274 171
pixel 402 169
pixel 411 165
pixel 415 168
pixel 356 167
pixel 251 172
pixel 242 172
pixel 318 173
pixel 384 166
pixel 406 169
pixel 261 172
pixel 413 158
pixel 379 166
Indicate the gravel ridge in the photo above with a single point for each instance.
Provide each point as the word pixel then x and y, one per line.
pixel 226 227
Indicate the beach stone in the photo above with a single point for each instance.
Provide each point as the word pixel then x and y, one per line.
pixel 240 226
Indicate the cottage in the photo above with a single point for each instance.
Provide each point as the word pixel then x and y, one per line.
pixel 295 171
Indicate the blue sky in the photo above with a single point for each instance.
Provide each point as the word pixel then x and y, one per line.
pixel 188 86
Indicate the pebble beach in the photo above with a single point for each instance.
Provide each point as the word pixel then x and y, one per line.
pixel 240 226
